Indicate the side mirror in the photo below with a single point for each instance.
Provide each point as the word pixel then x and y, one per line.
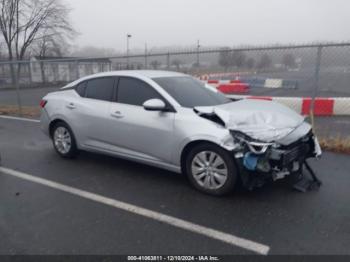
pixel 154 105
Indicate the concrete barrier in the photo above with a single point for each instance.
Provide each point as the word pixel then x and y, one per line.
pixel 273 83
pixel 234 87
pixel 253 81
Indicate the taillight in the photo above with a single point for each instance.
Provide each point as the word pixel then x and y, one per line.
pixel 43 103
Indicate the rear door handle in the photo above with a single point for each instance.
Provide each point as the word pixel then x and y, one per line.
pixel 117 114
pixel 71 106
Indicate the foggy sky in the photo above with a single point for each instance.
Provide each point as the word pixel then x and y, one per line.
pixel 105 23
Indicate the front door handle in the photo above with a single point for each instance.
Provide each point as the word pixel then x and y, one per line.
pixel 71 106
pixel 117 114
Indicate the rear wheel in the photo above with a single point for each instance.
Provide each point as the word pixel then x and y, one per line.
pixel 211 169
pixel 64 141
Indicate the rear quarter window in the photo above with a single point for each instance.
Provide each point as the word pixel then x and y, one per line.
pixel 81 88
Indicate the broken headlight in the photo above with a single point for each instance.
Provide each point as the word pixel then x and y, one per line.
pixel 254 146
pixel 258 148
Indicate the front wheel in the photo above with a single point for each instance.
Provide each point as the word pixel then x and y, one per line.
pixel 211 169
pixel 64 141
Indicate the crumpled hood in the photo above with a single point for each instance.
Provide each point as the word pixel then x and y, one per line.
pixel 263 120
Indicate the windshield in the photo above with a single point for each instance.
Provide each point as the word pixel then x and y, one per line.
pixel 189 92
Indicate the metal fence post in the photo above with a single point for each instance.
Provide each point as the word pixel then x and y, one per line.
pixel 316 83
pixel 198 49
pixel 17 86
pixel 168 61
pixel 77 69
pixel 146 61
pixel 30 73
pixel 316 76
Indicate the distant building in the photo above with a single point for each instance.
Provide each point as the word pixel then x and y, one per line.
pixel 65 69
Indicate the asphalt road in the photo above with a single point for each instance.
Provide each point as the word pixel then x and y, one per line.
pixel 35 219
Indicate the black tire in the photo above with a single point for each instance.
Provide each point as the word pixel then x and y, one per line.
pixel 228 159
pixel 73 150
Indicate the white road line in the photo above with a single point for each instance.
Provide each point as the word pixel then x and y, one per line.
pixel 20 119
pixel 173 221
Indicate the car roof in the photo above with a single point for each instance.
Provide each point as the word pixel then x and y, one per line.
pixel 131 73
pixel 146 73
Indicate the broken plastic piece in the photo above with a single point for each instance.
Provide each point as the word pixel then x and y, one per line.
pixel 250 161
pixel 306 184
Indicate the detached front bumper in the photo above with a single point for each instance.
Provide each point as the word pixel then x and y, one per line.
pixel 289 159
pixel 277 161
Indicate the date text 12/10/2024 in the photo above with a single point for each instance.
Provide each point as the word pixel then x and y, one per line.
pixel 173 258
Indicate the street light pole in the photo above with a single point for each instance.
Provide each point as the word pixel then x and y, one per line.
pixel 128 36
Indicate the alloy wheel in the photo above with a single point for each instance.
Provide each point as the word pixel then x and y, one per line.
pixel 62 140
pixel 209 170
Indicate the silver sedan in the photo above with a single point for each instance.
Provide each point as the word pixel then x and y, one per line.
pixel 173 121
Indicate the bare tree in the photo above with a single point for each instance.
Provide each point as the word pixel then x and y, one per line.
pixel 288 60
pixel 91 51
pixel 238 58
pixel 264 62
pixel 225 58
pixel 155 64
pixel 49 46
pixel 177 63
pixel 250 63
pixel 24 22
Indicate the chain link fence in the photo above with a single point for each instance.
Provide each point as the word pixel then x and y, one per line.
pixel 308 78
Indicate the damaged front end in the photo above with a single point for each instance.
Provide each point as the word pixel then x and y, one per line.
pixel 270 141
pixel 260 162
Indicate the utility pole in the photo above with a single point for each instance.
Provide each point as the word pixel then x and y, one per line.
pixel 128 36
